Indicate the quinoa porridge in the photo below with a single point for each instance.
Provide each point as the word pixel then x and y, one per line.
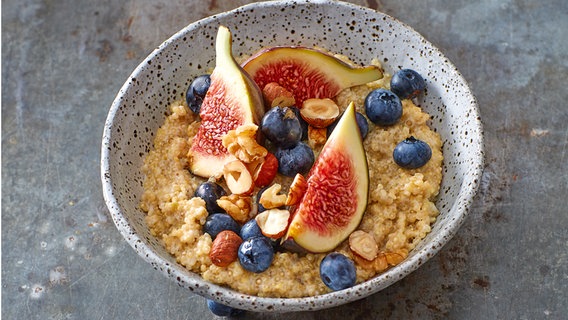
pixel 400 208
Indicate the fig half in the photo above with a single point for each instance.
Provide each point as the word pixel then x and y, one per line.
pixel 232 100
pixel 337 192
pixel 307 73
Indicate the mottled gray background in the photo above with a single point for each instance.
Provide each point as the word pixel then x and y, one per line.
pixel 62 258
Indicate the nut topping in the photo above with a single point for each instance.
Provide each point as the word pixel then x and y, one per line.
pixel 271 198
pixel 316 136
pixel 394 258
pixel 238 178
pixel 264 170
pixel 297 190
pixel 276 95
pixel 238 207
pixel 242 143
pixel 224 249
pixel 363 244
pixel 319 113
pixel 273 223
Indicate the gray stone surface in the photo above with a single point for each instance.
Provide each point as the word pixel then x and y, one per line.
pixel 62 258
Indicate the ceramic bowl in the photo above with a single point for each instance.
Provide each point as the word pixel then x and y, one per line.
pixel 361 34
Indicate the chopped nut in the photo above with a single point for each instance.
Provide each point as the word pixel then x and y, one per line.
pixel 276 95
pixel 238 178
pixel 264 170
pixel 379 264
pixel 273 223
pixel 382 261
pixel 316 136
pixel 319 113
pixel 394 258
pixel 297 190
pixel 363 244
pixel 238 207
pixel 224 249
pixel 271 198
pixel 242 143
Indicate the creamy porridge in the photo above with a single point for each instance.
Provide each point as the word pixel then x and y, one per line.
pixel 400 208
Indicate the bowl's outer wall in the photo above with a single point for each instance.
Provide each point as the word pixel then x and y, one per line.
pixel 359 33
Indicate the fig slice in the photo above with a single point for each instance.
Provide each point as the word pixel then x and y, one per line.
pixel 337 190
pixel 306 72
pixel 232 100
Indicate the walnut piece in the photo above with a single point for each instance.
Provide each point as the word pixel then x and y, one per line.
pixel 241 142
pixel 396 257
pixel 383 261
pixel 238 207
pixel 316 136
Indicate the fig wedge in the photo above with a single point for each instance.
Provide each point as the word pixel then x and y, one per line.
pixel 337 192
pixel 232 100
pixel 306 72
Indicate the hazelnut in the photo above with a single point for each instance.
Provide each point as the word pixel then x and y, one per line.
pixel 224 249
pixel 238 178
pixel 276 95
pixel 273 223
pixel 319 113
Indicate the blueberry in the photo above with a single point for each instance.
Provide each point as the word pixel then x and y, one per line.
pixel 256 254
pixel 383 107
pixel 337 271
pixel 303 123
pixel 298 159
pixel 218 222
pixel 407 83
pixel 250 230
pixel 197 91
pixel 210 191
pixel 361 123
pixel 222 310
pixel 412 153
pixel 282 127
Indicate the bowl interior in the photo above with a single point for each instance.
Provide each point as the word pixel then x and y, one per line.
pixel 360 33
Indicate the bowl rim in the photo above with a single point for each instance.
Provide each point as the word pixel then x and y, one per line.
pixel 237 299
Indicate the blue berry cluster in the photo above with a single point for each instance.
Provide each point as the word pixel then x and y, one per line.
pixel 256 252
pixel 285 129
pixel 384 108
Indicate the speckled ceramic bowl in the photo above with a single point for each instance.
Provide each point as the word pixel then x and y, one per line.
pixel 361 34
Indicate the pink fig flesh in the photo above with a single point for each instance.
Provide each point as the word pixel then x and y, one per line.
pixel 306 72
pixel 232 100
pixel 337 193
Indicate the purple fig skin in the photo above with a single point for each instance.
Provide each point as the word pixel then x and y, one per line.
pixel 291 246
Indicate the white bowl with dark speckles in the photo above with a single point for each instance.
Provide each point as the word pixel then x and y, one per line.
pixel 361 34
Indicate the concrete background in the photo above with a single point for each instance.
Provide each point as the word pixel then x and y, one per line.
pixel 62 258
